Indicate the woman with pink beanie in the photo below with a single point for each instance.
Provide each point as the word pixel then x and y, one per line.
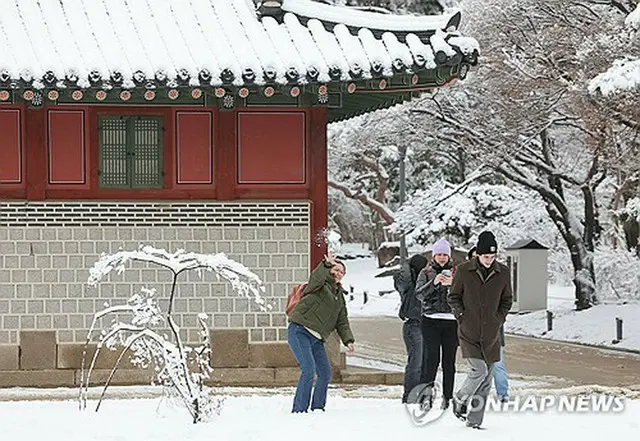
pixel 439 326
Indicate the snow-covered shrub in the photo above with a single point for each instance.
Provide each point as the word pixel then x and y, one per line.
pixel 180 369
pixel 617 274
pixel 461 214
pixel 511 213
pixel 631 210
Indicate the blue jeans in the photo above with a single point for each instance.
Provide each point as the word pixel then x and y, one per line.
pixel 312 358
pixel 500 376
pixel 412 336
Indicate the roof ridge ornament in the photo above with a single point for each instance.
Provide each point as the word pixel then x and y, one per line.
pixel 270 8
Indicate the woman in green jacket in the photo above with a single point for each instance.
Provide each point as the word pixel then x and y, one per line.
pixel 321 310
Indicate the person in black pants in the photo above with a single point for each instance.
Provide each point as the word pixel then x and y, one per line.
pixel 439 326
pixel 410 313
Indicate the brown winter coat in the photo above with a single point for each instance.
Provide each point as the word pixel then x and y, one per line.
pixel 480 308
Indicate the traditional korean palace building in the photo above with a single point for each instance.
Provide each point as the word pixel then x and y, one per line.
pixel 195 124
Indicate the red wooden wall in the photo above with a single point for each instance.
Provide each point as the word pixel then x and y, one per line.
pixel 272 148
pixel 68 158
pixel 256 153
pixel 11 148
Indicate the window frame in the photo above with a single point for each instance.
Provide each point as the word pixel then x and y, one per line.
pixel 130 134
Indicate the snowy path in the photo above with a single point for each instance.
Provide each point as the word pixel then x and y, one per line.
pixel 559 364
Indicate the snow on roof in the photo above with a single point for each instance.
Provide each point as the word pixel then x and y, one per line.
pixel 102 43
pixel 365 19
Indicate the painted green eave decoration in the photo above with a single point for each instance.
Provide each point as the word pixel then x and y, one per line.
pixel 343 100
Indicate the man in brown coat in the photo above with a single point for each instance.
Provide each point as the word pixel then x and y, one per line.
pixel 480 299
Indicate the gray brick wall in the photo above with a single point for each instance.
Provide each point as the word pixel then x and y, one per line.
pixel 47 249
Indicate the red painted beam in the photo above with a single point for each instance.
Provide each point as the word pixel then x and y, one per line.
pixel 318 180
pixel 36 153
pixel 225 156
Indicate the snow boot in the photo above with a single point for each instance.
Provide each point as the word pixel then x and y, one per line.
pixel 459 409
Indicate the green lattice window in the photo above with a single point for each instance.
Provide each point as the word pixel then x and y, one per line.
pixel 130 151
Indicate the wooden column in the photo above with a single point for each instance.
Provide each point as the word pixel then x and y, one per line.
pixel 226 168
pixel 36 153
pixel 318 182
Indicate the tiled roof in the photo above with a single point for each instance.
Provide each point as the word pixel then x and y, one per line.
pixel 129 43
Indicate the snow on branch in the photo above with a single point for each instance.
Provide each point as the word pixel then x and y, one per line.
pixel 180 261
pixel 424 203
pixel 383 210
pixel 624 74
pixel 633 20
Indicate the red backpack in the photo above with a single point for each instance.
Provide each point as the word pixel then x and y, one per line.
pixel 294 297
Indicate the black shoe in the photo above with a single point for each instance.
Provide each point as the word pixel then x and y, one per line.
pixel 426 404
pixel 426 399
pixel 459 409
pixel 445 403
pixel 474 426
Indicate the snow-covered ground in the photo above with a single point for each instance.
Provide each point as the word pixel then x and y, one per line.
pixel 362 414
pixel 596 325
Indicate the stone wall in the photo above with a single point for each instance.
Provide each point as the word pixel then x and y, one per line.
pixel 47 249
pixel 41 361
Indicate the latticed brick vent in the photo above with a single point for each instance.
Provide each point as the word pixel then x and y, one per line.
pixel 154 214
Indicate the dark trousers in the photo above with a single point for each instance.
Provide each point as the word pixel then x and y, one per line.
pixel 440 336
pixel 312 358
pixel 412 336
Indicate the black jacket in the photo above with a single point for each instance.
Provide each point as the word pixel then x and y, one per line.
pixel 433 297
pixel 404 283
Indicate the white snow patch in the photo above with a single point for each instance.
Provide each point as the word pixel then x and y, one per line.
pixel 623 75
pixel 265 418
pixel 633 20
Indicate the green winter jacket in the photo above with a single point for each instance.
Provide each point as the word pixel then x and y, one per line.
pixel 322 307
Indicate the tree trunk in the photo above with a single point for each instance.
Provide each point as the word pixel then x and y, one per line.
pixel 569 227
pixel 583 272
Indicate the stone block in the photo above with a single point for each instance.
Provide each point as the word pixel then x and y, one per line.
pixel 350 376
pixel 9 357
pixel 230 348
pixel 38 378
pixel 336 358
pixel 242 377
pixel 70 357
pixel 122 377
pixel 287 376
pixel 271 354
pixel 38 350
pixel 394 378
pixel 336 374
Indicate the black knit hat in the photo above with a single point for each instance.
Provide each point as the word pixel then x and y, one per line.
pixel 486 243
